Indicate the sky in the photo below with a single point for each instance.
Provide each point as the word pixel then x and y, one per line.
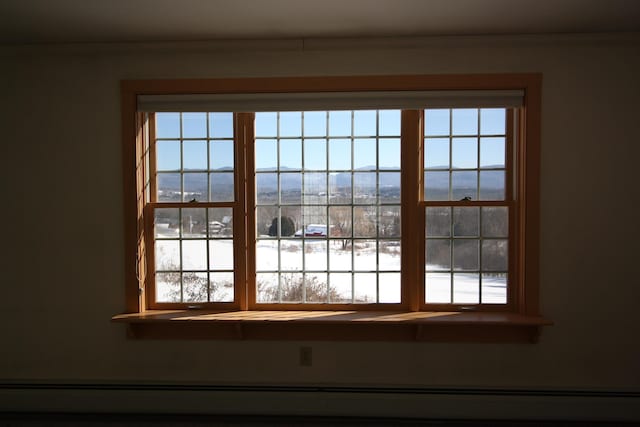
pixel 335 128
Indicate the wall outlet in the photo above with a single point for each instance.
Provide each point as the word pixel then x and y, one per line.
pixel 306 356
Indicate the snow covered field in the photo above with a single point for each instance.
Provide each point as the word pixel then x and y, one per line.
pixel 374 273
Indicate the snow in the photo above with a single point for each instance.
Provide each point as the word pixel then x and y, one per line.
pixel 322 259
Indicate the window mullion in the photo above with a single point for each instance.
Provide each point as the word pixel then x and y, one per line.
pixel 412 224
pixel 244 220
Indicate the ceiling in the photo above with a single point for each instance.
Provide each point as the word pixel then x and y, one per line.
pixel 74 21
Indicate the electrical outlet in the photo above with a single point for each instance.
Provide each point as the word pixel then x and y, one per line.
pixel 306 356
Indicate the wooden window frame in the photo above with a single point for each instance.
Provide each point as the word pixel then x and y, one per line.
pixel 520 319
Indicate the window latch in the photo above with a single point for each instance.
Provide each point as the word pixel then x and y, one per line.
pixel 466 199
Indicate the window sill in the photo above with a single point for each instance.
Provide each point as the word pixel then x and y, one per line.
pixel 333 325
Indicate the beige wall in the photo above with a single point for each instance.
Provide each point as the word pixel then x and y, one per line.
pixel 62 271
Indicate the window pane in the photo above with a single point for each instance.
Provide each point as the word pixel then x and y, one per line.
pixel 495 255
pixel 364 255
pixel 494 288
pixel 316 288
pixel 466 288
pixel 221 155
pixel 221 187
pixel 291 287
pixel 194 223
pixel 365 285
pixel 315 123
pixel 220 222
pixel 291 255
pixel 389 221
pixel 339 154
pixel 389 255
pixel 266 255
pixel 266 154
pixel 291 188
pixel 194 155
pixel 364 154
pixel 466 222
pixel 264 218
pixel 266 124
pixel 221 287
pixel 464 184
pixel 167 223
pixel 436 153
pixel 290 154
pixel 438 254
pixel 315 154
pixel 389 153
pixel 168 155
pixel 167 125
pixel 464 153
pixel 389 285
pixel 364 187
pixel 492 121
pixel 364 123
pixel 492 152
pixel 267 188
pixel 221 254
pixel 195 287
pixel 194 125
pixel 365 221
pixel 290 124
pixel 436 185
pixel 492 185
pixel 268 288
pixel 341 287
pixel 438 222
pixel 169 187
pixel 389 123
pixel 168 286
pixel 221 125
pixel 495 221
pixel 438 288
pixel 436 122
pixel 340 255
pixel 194 254
pixel 195 187
pixel 167 255
pixel 315 188
pixel 466 254
pixel 340 221
pixel 340 123
pixel 315 255
pixel 465 121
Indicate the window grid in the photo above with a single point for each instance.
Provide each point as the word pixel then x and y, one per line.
pixel 468 202
pixel 327 206
pixel 203 210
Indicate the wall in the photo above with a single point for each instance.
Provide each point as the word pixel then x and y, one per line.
pixel 62 272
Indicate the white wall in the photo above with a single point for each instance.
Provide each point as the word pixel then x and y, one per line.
pixel 62 272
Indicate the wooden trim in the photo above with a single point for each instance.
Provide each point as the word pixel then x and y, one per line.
pixel 530 163
pixel 151 126
pixel 335 325
pixel 527 160
pixel 129 183
pixel 412 227
pixel 514 281
pixel 250 215
pixel 243 213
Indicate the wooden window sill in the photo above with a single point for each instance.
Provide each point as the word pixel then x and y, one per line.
pixel 333 325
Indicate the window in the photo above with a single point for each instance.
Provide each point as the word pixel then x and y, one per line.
pixel 405 194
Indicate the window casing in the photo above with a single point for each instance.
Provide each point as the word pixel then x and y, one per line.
pixel 415 208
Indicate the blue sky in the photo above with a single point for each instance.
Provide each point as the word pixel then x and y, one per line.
pixel 334 128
